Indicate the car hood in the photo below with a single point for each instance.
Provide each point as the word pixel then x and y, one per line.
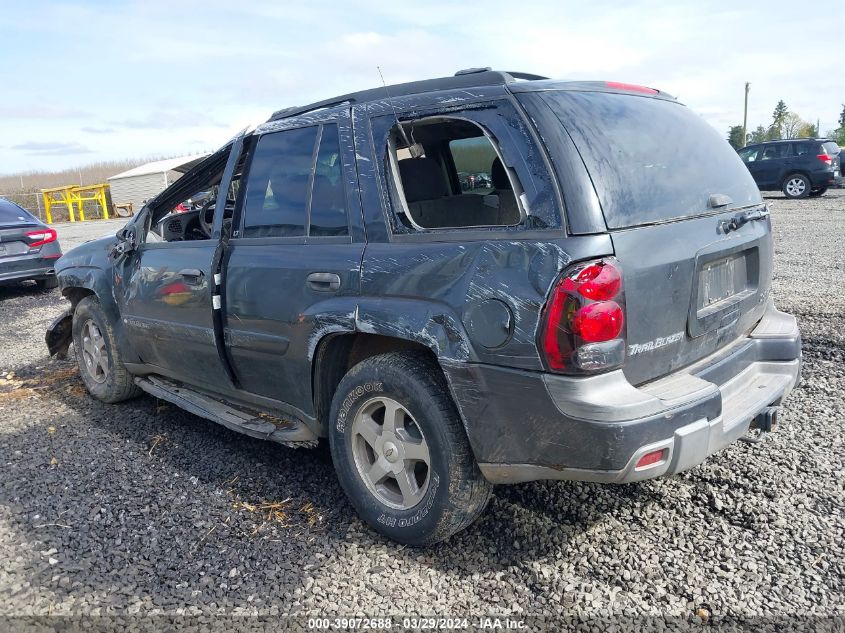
pixel 93 254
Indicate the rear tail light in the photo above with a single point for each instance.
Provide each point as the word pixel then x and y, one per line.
pixel 583 323
pixel 828 160
pixel 39 238
pixel 618 85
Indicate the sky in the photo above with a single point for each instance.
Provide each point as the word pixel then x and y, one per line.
pixel 95 80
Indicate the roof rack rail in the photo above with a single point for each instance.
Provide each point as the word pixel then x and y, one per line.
pixel 468 78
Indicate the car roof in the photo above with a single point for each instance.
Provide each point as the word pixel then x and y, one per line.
pixel 795 140
pixel 468 78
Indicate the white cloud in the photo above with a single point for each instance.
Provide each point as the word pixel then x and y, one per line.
pixel 174 73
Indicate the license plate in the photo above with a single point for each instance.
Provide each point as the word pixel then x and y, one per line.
pixel 721 280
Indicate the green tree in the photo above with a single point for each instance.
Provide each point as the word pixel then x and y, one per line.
pixel 839 135
pixel 778 120
pixel 808 130
pixel 759 135
pixel 735 137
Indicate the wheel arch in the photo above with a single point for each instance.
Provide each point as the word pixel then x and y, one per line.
pixel 792 172
pixel 77 283
pixel 336 354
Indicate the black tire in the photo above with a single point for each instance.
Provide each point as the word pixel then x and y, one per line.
pixel 796 186
pixel 818 192
pixel 456 492
pixel 117 384
pixel 47 284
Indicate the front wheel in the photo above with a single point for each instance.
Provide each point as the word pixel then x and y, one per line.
pixel 400 450
pixel 796 186
pixel 97 354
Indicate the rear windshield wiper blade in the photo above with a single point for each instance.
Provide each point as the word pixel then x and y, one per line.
pixel 734 223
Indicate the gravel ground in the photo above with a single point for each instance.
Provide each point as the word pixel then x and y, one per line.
pixel 142 508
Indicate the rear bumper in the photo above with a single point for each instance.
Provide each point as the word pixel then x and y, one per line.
pixel 821 179
pixel 38 265
pixel 35 270
pixel 525 426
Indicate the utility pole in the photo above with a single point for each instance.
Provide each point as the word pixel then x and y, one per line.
pixel 745 117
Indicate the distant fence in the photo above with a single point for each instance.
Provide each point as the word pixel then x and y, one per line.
pixel 32 202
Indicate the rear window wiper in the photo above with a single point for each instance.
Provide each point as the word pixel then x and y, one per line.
pixel 749 216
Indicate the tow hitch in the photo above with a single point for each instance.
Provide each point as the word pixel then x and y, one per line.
pixel 765 422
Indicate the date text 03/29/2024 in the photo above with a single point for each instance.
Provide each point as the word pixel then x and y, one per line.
pixel 485 623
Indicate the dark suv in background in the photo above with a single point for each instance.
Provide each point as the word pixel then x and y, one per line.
pixel 797 167
pixel 582 316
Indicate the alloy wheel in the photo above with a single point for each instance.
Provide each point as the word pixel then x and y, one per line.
pixel 391 453
pixel 94 355
pixel 796 186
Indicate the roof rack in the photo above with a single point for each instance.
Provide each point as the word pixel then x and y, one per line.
pixel 468 78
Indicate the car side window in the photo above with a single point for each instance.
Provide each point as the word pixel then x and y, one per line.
pixel 328 197
pixel 773 152
pixel 800 149
pixel 453 178
pixel 750 154
pixel 276 199
pixel 427 153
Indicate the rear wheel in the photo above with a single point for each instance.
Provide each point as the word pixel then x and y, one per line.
pixel 98 356
pixel 796 186
pixel 818 192
pixel 400 450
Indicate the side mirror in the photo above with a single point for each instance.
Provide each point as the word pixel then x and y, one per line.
pixel 127 241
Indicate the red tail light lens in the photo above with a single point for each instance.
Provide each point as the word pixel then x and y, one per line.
pixel 618 85
pixel 584 319
pixel 598 282
pixel 598 322
pixel 825 159
pixel 42 237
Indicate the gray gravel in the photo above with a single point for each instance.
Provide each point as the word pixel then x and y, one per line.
pixel 143 508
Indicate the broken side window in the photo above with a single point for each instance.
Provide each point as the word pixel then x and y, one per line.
pixel 448 173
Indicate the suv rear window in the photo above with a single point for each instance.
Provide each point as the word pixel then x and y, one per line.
pixel 650 159
pixel 831 148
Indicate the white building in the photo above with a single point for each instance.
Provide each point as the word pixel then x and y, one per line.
pixel 145 181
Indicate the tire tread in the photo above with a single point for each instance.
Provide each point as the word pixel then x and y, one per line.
pixel 469 491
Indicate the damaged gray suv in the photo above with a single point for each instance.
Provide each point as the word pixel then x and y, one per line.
pixel 596 306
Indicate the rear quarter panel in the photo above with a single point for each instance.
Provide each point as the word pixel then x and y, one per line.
pixel 469 301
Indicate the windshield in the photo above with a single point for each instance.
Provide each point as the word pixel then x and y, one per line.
pixel 650 160
pixel 11 213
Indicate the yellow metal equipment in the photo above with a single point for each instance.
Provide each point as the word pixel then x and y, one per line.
pixel 75 195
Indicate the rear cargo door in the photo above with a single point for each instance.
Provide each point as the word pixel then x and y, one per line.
pixel 690 289
pixel 669 186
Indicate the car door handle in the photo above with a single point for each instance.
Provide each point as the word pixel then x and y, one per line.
pixel 325 282
pixel 192 275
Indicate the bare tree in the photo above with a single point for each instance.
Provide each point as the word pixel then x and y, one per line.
pixel 792 125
